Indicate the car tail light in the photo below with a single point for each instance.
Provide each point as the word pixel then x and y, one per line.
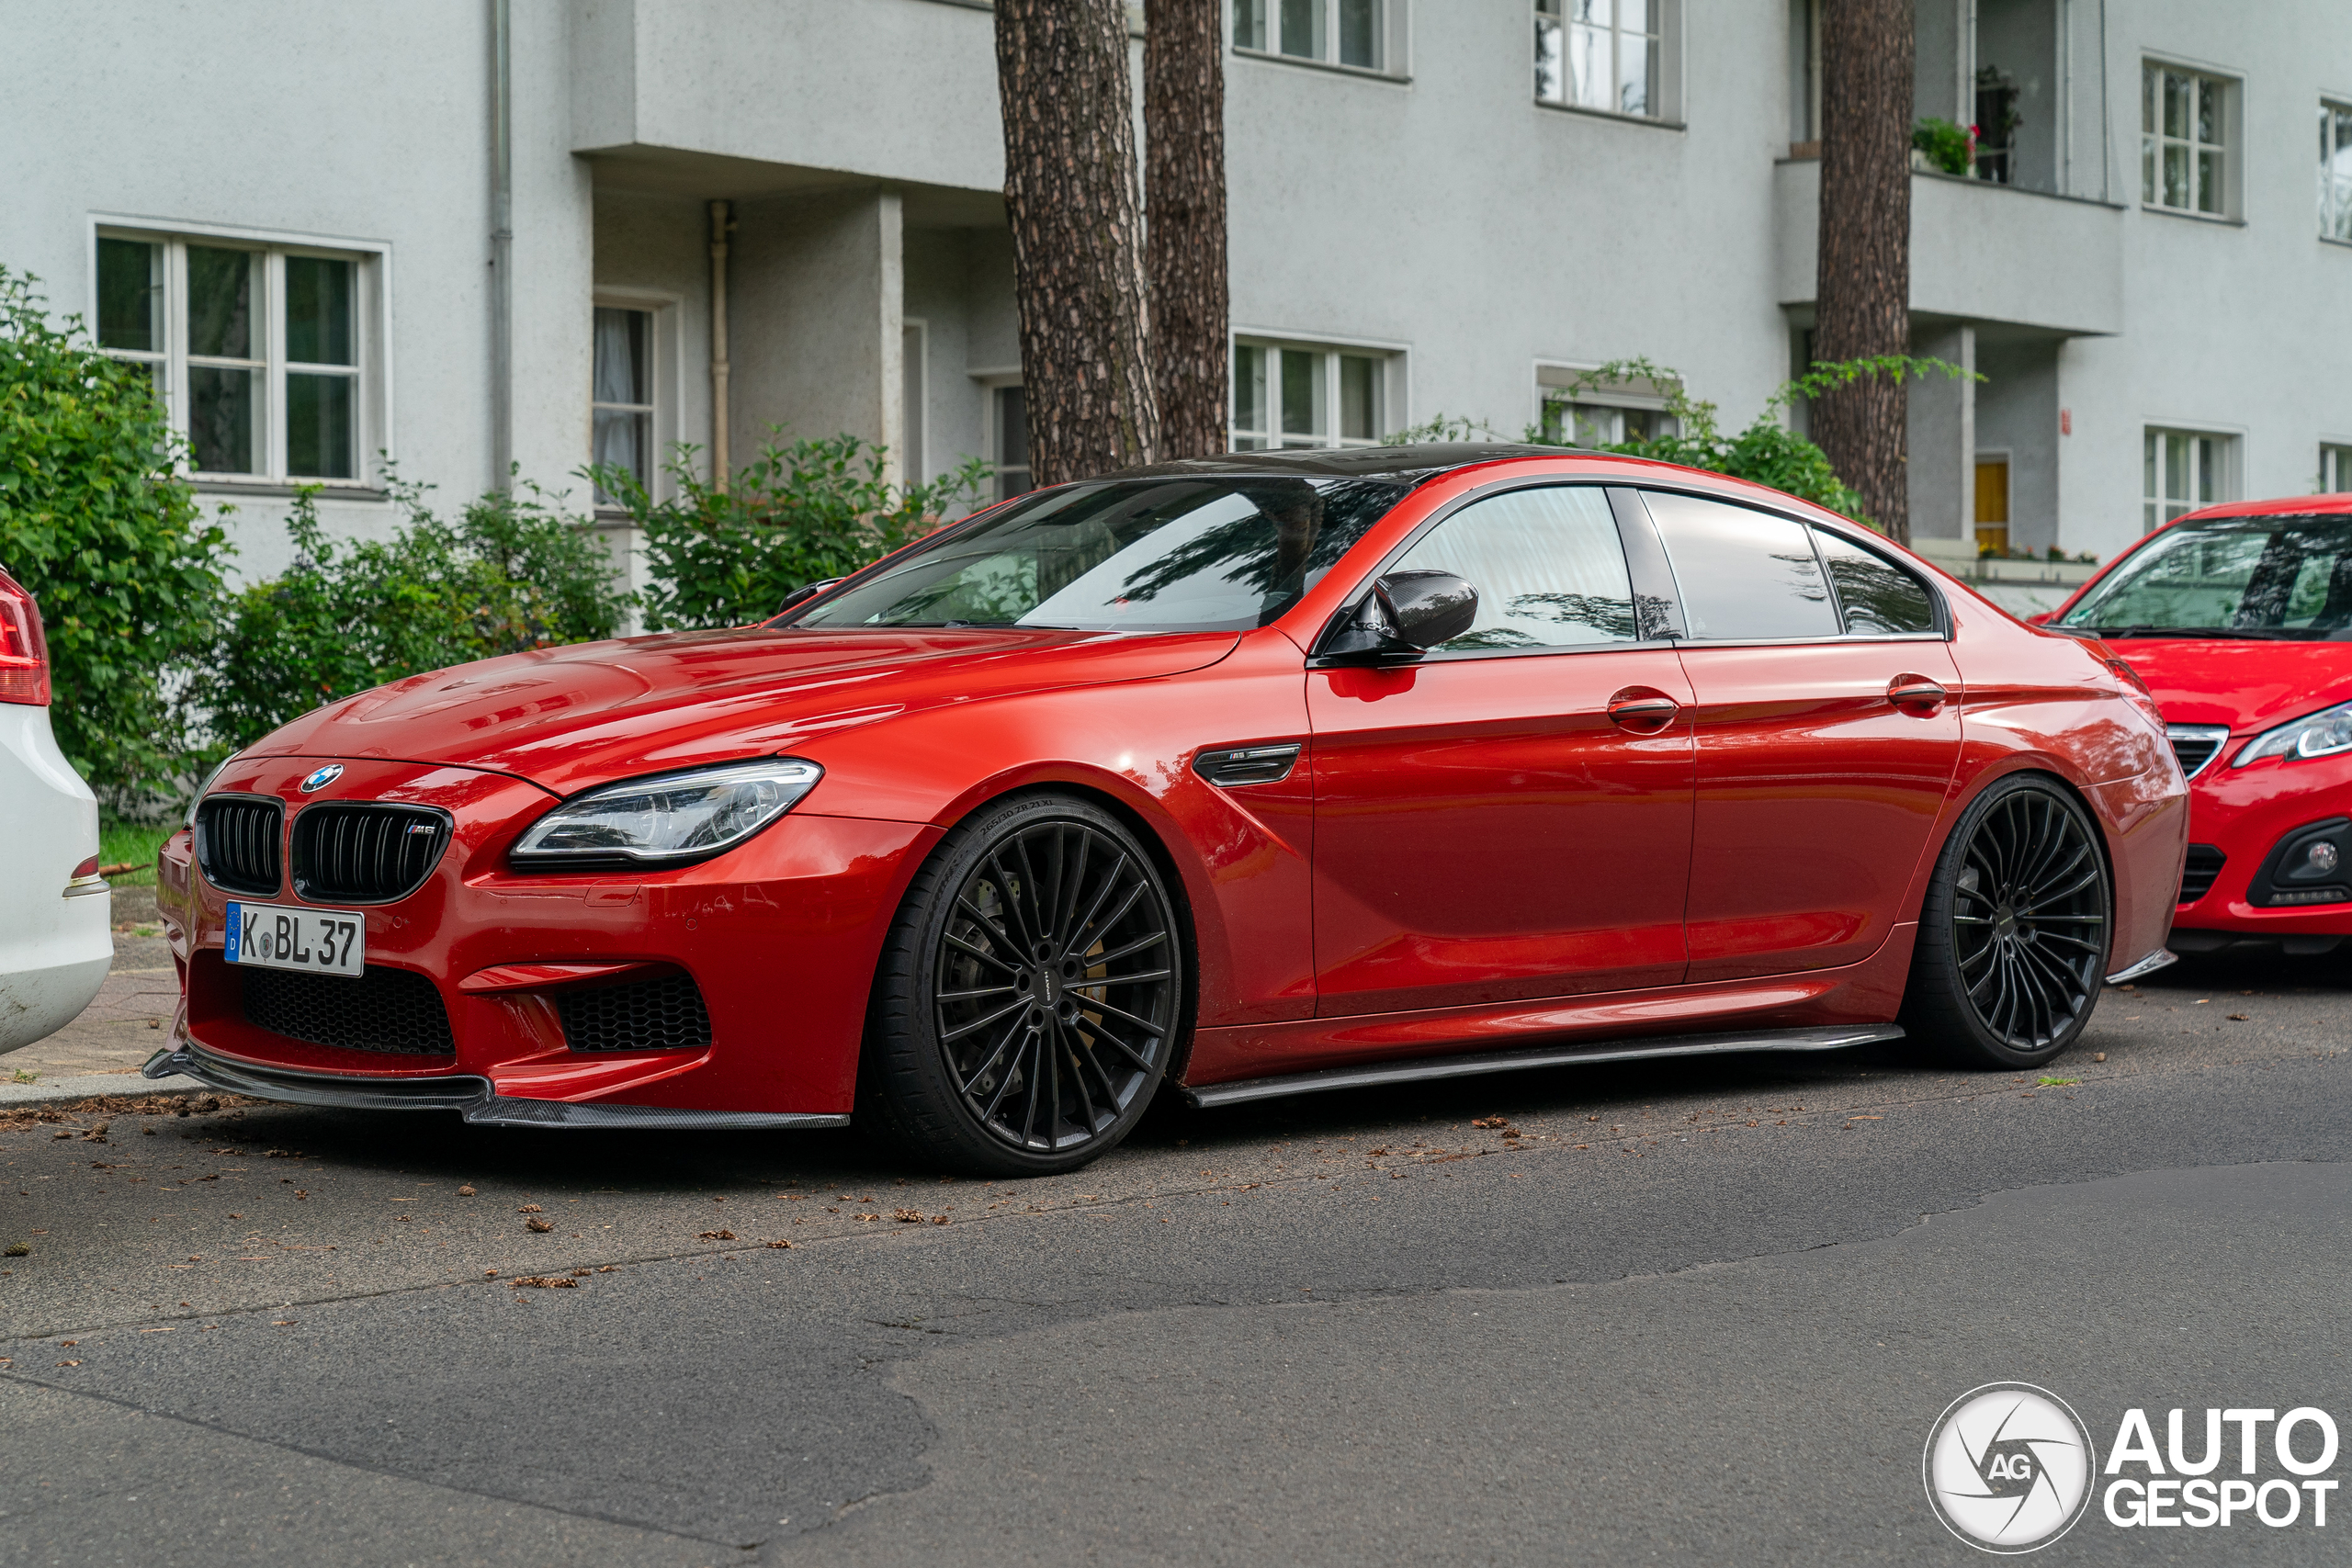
pixel 24 651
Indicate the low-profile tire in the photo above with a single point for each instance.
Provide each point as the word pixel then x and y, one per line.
pixel 1029 997
pixel 2014 931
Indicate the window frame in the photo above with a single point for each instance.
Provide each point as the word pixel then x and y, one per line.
pixel 2225 456
pixel 371 372
pixel 2336 455
pixel 2153 141
pixel 1561 385
pixel 991 382
pixel 1391 34
pixel 1648 565
pixel 912 459
pixel 1666 108
pixel 2335 195
pixel 1387 416
pixel 661 348
pixel 1852 533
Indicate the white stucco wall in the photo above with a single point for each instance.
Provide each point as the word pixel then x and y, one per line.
pixel 1455 218
pixel 1437 212
pixel 328 126
pixel 2237 327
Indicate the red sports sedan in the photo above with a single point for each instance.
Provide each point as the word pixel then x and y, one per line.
pixel 1261 775
pixel 2237 618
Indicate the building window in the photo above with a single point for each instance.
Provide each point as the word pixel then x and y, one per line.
pixel 914 378
pixel 2184 469
pixel 1293 396
pixel 2335 469
pixel 1599 54
pixel 1576 408
pixel 1575 421
pixel 2183 132
pixel 621 405
pixel 1342 32
pixel 2336 171
pixel 256 351
pixel 1008 441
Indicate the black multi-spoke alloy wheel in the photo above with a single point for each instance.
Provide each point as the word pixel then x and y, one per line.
pixel 1030 995
pixel 2013 934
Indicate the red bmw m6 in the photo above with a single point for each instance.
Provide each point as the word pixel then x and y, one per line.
pixel 1246 776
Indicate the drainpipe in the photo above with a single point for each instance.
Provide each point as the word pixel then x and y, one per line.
pixel 720 223
pixel 502 247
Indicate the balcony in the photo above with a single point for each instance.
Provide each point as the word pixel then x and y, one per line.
pixel 746 98
pixel 1980 252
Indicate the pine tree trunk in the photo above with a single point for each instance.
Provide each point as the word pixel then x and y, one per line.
pixel 1070 194
pixel 1183 121
pixel 1863 291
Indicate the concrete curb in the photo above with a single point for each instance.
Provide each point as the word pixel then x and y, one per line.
pixel 89 1086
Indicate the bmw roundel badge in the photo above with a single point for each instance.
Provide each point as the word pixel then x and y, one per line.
pixel 319 778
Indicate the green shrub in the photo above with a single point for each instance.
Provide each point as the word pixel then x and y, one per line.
pixel 798 514
pixel 95 522
pixel 511 573
pixel 1949 146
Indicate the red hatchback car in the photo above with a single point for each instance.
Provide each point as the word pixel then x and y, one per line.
pixel 2239 618
pixel 1258 774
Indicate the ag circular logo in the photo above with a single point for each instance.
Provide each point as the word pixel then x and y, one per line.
pixel 2008 1468
pixel 319 778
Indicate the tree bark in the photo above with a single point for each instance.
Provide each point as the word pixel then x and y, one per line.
pixel 1070 194
pixel 1863 287
pixel 1183 121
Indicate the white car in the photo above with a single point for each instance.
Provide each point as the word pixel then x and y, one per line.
pixel 56 937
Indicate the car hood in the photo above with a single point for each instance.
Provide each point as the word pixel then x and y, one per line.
pixel 2246 686
pixel 568 718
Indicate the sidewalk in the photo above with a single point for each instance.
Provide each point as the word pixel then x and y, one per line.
pixel 101 1051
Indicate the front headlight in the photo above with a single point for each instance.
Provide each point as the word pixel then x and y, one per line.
pixel 672 818
pixel 2321 734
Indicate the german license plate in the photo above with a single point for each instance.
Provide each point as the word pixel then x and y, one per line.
pixel 317 941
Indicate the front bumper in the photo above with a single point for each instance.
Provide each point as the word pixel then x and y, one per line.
pixel 472 1098
pixel 778 937
pixel 2244 813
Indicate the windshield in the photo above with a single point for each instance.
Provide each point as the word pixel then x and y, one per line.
pixel 2282 578
pixel 1161 555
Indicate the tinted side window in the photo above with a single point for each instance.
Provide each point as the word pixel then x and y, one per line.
pixel 1547 565
pixel 1743 574
pixel 1877 595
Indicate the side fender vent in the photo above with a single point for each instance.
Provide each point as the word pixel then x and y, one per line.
pixel 1235 766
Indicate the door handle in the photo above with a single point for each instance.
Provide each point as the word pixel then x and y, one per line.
pixel 1915 691
pixel 1644 710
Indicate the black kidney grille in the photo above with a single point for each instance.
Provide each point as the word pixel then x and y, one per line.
pixel 351 853
pixel 650 1015
pixel 394 1010
pixel 236 842
pixel 2197 877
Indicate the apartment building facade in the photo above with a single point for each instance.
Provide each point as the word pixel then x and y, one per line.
pixel 437 239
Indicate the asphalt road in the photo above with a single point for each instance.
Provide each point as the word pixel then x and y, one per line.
pixel 1705 1310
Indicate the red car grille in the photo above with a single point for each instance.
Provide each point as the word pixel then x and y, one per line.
pixel 365 854
pixel 393 1011
pixel 2197 877
pixel 236 843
